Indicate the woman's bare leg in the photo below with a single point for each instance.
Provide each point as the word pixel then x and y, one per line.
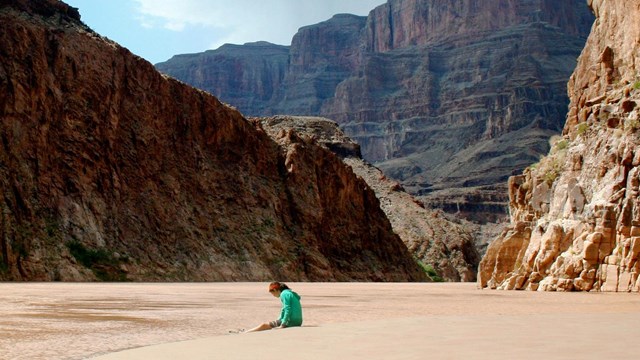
pixel 261 327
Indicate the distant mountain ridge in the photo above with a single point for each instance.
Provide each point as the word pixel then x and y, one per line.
pixel 448 97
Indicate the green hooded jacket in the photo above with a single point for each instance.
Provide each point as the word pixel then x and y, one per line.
pixel 291 313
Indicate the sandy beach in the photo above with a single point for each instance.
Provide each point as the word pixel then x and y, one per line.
pixel 342 321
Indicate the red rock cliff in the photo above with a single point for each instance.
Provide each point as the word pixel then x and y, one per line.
pixel 575 216
pixel 403 23
pixel 449 97
pixel 110 171
pixel 445 248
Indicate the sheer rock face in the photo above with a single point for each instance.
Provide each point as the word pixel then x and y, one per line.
pixel 444 245
pixel 404 23
pixel 575 217
pixel 251 74
pixel 110 171
pixel 448 97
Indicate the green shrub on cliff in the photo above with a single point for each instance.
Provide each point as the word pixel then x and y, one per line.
pixel 582 128
pixel 631 125
pixel 551 175
pixel 101 262
pixel 430 271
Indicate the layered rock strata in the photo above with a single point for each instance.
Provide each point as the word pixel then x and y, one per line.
pixel 438 243
pixel 111 171
pixel 448 97
pixel 232 67
pixel 575 216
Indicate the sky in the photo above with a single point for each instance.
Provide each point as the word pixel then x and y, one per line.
pixel 158 29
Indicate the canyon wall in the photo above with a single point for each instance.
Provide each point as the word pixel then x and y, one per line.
pixel 575 215
pixel 444 248
pixel 111 171
pixel 448 97
pixel 233 67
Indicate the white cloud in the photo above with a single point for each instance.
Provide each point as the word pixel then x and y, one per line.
pixel 243 21
pixel 174 25
pixel 145 22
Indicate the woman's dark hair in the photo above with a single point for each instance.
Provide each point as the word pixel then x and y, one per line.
pixel 278 286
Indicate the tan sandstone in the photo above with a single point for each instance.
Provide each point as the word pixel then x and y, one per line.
pixel 575 215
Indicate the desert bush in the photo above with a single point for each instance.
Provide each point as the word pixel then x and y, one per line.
pixel 582 128
pixel 550 167
pixel 101 262
pixel 558 143
pixel 631 125
pixel 430 271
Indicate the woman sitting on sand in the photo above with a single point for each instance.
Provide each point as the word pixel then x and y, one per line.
pixel 291 313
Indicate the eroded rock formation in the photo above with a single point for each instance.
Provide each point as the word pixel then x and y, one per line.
pixel 232 68
pixel 111 171
pixel 437 242
pixel 449 97
pixel 575 216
